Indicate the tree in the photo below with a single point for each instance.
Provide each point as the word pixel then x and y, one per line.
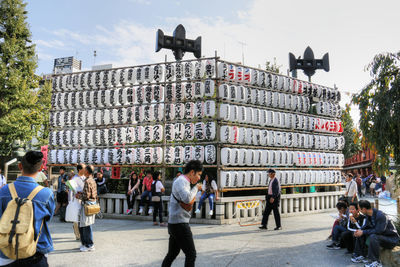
pixel 272 66
pixel 19 112
pixel 350 134
pixel 44 104
pixel 379 104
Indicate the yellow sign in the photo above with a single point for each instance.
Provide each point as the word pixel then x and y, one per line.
pixel 248 204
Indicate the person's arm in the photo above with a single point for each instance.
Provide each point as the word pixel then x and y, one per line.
pixel 129 185
pixel 137 184
pixel 162 189
pixel 144 184
pixel 275 189
pixel 380 226
pixel 184 195
pixel 215 187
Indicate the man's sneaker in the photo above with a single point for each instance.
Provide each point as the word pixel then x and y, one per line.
pixel 87 249
pixel 263 227
pixel 197 211
pixel 91 248
pixel 374 264
pixel 211 213
pixel 359 259
pixel 333 246
pixel 140 211
pixel 150 211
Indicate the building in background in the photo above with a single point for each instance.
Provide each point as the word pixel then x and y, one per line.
pixel 360 163
pixel 66 65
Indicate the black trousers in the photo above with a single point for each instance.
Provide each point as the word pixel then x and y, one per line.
pixel 347 240
pixel 272 207
pixel 130 199
pixel 37 260
pixel 158 208
pixel 180 237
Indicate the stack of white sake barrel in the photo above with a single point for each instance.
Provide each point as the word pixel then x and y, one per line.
pixel 270 120
pixel 155 114
pixel 167 114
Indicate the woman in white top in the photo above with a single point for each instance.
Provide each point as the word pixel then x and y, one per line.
pixel 210 191
pixel 157 189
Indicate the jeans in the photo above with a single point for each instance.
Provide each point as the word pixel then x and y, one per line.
pixel 376 241
pixel 143 198
pixel 102 189
pixel 37 260
pixel 86 235
pixel 180 237
pixel 158 207
pixel 210 200
pixel 337 231
pixel 269 207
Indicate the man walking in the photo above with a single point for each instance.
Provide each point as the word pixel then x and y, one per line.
pixel 181 202
pixel 273 199
pixel 43 207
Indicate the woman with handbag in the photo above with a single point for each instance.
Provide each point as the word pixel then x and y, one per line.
pixel 88 197
pixel 157 190
pixel 133 191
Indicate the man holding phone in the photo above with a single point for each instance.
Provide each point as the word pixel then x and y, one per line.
pixel 181 203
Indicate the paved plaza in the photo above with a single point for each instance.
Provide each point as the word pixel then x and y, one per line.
pixel 135 243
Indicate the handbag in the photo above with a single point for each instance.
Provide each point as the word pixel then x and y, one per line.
pixel 91 209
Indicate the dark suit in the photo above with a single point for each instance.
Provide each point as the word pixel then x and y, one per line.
pixel 276 195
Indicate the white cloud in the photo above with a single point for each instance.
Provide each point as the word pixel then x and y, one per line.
pixel 350 31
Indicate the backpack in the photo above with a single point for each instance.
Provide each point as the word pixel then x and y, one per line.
pixel 17 232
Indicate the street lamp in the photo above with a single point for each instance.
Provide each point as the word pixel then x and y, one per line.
pixel 178 43
pixel 309 64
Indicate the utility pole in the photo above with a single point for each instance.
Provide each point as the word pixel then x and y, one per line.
pixel 243 44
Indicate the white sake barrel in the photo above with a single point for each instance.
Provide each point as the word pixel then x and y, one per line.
pixel 224 112
pixel 188 89
pixel 234 157
pixel 188 153
pixel 198 71
pixel 169 155
pixel 249 115
pixel 239 74
pixel 241 179
pixel 250 178
pixel 256 137
pixel 249 136
pixel 225 179
pixel 198 153
pixel 210 154
pixel 226 156
pixel 242 156
pixel 209 88
pixel 231 73
pixel 242 135
pixel 179 155
pixel 250 157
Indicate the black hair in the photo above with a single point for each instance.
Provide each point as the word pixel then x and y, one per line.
pixel 90 169
pixel 63 168
pixel 364 204
pixel 194 165
pixel 32 161
pixel 179 172
pixel 271 171
pixel 355 204
pixel 149 171
pixel 79 167
pixel 345 200
pixel 156 174
pixel 341 205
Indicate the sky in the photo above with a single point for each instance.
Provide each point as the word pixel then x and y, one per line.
pixel 123 33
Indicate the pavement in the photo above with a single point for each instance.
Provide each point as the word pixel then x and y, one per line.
pixel 302 242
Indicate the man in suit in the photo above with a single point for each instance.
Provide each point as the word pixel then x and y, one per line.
pixel 273 199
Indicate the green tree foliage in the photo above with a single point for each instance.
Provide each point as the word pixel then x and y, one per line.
pixel 44 104
pixel 19 115
pixel 350 134
pixel 379 104
pixel 272 66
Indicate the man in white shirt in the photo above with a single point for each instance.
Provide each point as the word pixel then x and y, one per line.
pixel 181 201
pixel 351 188
pixel 3 180
pixel 79 180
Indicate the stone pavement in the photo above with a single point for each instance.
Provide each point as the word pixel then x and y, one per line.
pixel 135 243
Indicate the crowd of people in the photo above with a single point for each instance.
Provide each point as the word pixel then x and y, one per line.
pixel 359 228
pixel 370 184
